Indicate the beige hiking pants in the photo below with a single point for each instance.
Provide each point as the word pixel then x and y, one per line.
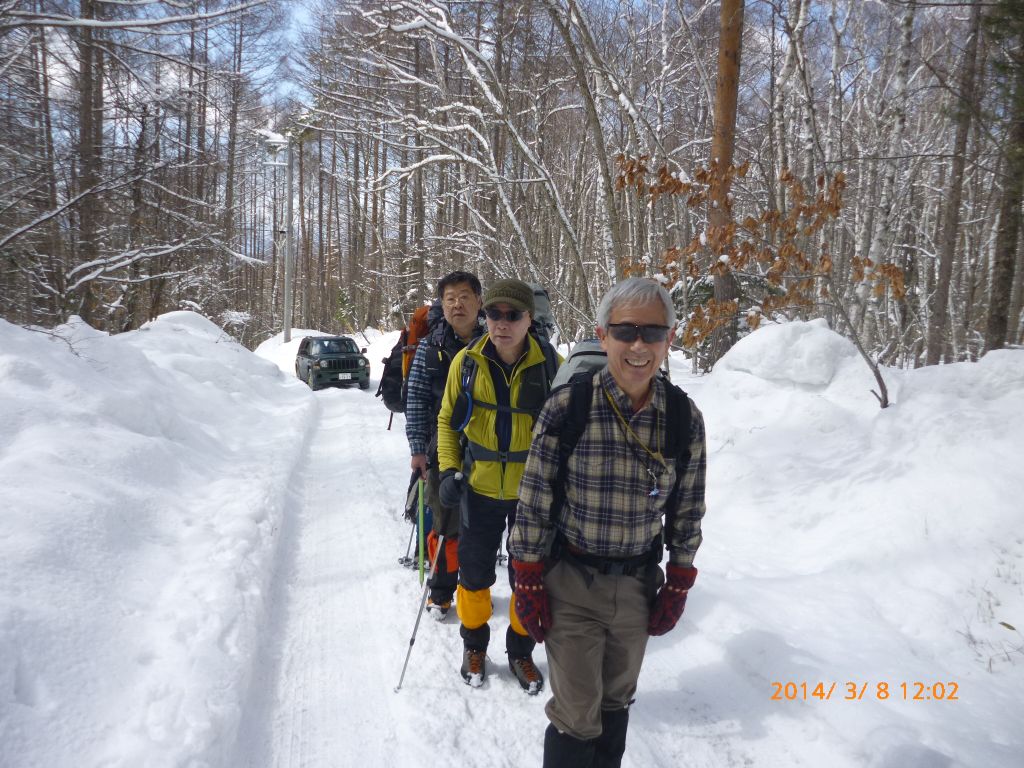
pixel 595 645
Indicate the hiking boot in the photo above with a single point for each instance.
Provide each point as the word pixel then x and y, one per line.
pixel 438 611
pixel 473 667
pixel 527 674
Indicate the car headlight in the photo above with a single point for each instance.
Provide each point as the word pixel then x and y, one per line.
pixel 362 362
pixel 318 364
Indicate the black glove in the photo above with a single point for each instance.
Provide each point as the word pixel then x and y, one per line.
pixel 451 488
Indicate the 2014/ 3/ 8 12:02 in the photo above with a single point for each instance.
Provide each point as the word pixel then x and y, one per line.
pixel 854 691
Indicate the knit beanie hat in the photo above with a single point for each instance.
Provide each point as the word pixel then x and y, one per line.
pixel 515 293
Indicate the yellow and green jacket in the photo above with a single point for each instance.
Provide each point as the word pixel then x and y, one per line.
pixel 490 473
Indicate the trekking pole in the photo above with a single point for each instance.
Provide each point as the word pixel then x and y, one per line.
pixel 408 547
pixel 501 553
pixel 419 613
pixel 420 527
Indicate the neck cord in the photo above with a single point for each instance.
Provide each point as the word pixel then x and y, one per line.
pixel 628 432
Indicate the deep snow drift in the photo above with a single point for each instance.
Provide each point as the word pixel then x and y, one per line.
pixel 197 567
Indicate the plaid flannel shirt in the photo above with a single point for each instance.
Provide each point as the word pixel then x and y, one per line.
pixel 609 508
pixel 420 409
pixel 420 418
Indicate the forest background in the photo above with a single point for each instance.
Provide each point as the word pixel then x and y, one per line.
pixel 872 174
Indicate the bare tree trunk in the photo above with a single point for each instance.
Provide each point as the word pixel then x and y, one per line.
pixel 885 219
pixel 722 145
pixel 1014 328
pixel 1004 262
pixel 966 103
pixel 90 96
pixel 596 134
pixel 781 88
pixel 232 147
pixel 55 265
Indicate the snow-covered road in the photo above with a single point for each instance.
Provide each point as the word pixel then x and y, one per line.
pixel 343 615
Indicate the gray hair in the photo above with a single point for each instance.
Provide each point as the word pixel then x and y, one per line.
pixel 633 292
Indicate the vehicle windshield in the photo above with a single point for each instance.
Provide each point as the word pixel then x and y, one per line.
pixel 333 347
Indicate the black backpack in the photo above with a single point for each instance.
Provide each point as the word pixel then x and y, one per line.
pixel 391 389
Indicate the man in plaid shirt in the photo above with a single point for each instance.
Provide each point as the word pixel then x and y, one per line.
pixel 460 294
pixel 588 581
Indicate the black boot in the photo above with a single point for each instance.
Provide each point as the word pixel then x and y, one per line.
pixel 474 654
pixel 564 751
pixel 518 646
pixel 611 744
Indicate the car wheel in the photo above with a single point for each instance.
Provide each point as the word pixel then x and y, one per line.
pixel 311 380
pixel 364 384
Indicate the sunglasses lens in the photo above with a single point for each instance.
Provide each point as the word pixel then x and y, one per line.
pixel 653 334
pixel 627 332
pixel 513 315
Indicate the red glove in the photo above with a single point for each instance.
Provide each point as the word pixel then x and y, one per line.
pixel 531 599
pixel 671 599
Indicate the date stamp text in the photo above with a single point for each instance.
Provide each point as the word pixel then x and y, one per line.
pixel 861 691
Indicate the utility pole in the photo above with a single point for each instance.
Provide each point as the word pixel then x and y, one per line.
pixel 289 248
pixel 274 143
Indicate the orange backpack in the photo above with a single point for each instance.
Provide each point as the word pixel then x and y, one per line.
pixel 417 329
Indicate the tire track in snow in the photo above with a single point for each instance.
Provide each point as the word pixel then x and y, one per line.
pixel 342 620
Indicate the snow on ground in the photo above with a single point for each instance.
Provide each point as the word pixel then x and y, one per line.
pixel 198 567
pixel 143 478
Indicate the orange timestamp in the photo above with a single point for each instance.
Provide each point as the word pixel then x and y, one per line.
pixel 858 691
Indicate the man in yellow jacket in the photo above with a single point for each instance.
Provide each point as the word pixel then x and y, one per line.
pixel 495 389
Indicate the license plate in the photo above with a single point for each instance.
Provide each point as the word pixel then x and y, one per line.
pixel 344 376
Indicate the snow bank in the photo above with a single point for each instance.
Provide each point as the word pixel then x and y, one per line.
pixel 800 353
pixel 845 542
pixel 143 479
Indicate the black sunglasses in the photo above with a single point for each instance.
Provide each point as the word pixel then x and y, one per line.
pixel 628 332
pixel 513 315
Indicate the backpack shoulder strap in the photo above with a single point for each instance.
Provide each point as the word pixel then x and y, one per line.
pixel 463 410
pixel 577 413
pixel 550 360
pixel 677 422
pixel 678 418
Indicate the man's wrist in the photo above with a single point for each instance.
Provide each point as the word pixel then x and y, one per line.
pixel 527 566
pixel 680 578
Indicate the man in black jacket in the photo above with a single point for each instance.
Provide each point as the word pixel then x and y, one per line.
pixel 460 295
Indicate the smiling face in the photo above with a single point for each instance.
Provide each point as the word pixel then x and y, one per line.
pixel 461 307
pixel 508 337
pixel 634 364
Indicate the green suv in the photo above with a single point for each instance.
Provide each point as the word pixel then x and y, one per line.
pixel 325 361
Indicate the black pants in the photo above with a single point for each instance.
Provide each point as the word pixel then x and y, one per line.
pixel 484 520
pixel 564 751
